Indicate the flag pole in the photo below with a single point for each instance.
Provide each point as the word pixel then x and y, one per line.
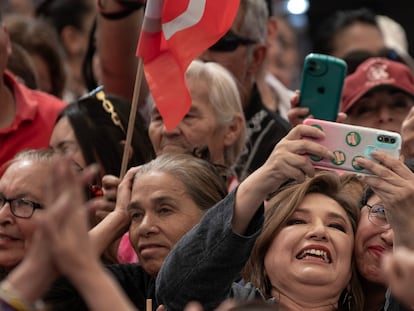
pixel 132 115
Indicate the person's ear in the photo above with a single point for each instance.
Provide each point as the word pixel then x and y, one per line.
pixel 7 43
pixel 258 58
pixel 234 130
pixel 271 30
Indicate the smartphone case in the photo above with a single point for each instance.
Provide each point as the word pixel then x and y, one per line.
pixel 321 86
pixel 349 142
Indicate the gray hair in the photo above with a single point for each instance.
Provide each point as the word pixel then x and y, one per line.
pixel 38 155
pixel 224 96
pixel 201 179
pixel 256 14
pixel 45 155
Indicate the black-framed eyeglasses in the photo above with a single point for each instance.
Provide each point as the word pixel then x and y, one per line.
pixel 376 215
pixel 230 42
pixel 19 207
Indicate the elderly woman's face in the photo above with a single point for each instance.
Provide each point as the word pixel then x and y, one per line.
pixel 161 213
pixel 23 179
pixel 313 248
pixel 199 127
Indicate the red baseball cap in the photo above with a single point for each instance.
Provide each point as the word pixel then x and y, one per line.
pixel 374 73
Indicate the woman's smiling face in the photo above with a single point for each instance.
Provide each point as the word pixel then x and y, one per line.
pixel 313 248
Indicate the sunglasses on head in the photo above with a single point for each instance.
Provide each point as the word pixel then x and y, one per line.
pixel 230 42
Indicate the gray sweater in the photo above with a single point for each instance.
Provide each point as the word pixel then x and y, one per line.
pixel 205 263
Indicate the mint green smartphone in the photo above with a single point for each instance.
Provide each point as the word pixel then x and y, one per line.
pixel 321 87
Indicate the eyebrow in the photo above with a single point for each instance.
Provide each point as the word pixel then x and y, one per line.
pixel 155 201
pixel 24 195
pixel 64 142
pixel 376 203
pixel 194 109
pixel 329 214
pixel 133 205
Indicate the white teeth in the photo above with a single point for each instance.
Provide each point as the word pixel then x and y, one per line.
pixel 315 253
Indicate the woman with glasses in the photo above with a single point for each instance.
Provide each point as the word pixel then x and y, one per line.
pixel 374 238
pixel 387 218
pixel 389 221
pixel 22 198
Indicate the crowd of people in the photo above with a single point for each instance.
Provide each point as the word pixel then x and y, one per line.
pixel 225 211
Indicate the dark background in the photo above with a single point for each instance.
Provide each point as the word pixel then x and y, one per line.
pixel 401 11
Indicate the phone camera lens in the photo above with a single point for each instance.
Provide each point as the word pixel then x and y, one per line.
pixel 312 65
pixel 392 140
pixel 387 139
pixel 380 138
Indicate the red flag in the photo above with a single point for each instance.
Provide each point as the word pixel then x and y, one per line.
pixel 174 33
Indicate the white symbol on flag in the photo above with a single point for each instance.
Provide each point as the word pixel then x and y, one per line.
pixel 187 19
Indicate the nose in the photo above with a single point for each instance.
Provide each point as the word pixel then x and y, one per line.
pixel 385 113
pixel 172 132
pixel 317 231
pixel 388 236
pixel 148 226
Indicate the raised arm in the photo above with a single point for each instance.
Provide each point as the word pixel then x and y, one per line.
pixel 115 223
pixel 117 40
pixel 287 161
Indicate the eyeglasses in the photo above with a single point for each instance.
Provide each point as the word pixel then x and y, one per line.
pixel 230 42
pixel 356 57
pixel 376 215
pixel 20 208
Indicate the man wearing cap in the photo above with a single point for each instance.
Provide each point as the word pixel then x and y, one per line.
pixel 379 94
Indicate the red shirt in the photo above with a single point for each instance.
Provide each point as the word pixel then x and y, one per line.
pixel 36 114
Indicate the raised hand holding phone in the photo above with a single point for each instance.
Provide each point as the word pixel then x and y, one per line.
pixel 350 142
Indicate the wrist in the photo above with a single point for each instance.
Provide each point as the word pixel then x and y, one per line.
pixel 83 278
pixel 39 280
pixel 12 299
